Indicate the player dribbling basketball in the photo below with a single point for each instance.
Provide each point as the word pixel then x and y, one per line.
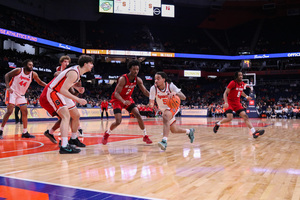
pixel 161 91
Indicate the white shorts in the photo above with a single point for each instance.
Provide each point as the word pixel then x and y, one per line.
pixel 174 112
pixel 14 98
pixel 69 103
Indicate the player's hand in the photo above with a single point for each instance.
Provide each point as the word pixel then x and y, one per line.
pixel 171 95
pixel 9 90
pixel 80 90
pixel 225 105
pixel 126 102
pixel 248 98
pixel 82 101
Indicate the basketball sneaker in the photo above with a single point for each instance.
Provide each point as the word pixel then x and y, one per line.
pixel 163 144
pixel 191 135
pixel 147 139
pixel 50 136
pixel 68 150
pixel 1 134
pixel 76 142
pixel 216 128
pixel 105 138
pixel 27 135
pixel 80 132
pixel 258 133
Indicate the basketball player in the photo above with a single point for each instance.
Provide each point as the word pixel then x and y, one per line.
pixel 121 98
pixel 161 91
pixel 64 61
pixel 55 95
pixel 104 106
pixel 15 93
pixel 232 98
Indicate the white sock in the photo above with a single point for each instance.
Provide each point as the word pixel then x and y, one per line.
pixel 165 138
pixel 74 136
pixel 51 131
pixel 109 131
pixel 24 130
pixel 64 141
pixel 218 123
pixel 144 132
pixel 1 128
pixel 187 131
pixel 253 130
pixel 79 127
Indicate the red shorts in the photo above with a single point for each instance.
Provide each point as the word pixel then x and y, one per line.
pixel 116 104
pixel 51 101
pixel 236 107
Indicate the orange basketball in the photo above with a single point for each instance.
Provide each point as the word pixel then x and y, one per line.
pixel 174 102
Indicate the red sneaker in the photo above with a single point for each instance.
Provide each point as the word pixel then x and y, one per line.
pixel 105 138
pixel 147 139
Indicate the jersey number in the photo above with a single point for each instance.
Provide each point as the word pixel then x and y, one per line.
pixel 239 94
pixel 128 91
pixel 23 83
pixel 165 101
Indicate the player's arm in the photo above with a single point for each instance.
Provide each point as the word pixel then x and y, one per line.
pixel 176 91
pixel 71 78
pixel 140 83
pixel 181 95
pixel 38 80
pixel 9 75
pixel 246 96
pixel 56 73
pixel 225 97
pixel 119 87
pixel 151 97
pixel 78 87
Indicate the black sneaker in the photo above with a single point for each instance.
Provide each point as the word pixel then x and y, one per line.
pixel 50 136
pixel 59 144
pixel 258 133
pixel 68 150
pixel 27 135
pixel 1 134
pixel 216 128
pixel 76 142
pixel 80 132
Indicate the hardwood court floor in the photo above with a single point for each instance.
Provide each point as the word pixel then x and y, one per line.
pixel 227 165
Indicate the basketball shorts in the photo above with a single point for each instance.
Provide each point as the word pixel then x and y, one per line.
pixel 236 107
pixel 52 101
pixel 14 98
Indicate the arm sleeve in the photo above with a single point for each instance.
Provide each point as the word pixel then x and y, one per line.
pixel 152 93
pixel 174 88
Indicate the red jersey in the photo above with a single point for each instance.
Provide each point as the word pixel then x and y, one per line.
pixel 127 89
pixel 104 104
pixel 236 90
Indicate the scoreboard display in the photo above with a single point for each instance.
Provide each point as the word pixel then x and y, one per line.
pixel 137 7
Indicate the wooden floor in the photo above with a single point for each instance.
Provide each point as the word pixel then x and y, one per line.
pixel 227 165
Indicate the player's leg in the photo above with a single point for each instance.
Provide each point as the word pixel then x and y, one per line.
pixel 25 134
pixel 9 110
pixel 167 116
pixel 229 117
pixel 177 129
pixel 115 124
pixel 255 133
pixel 65 148
pixel 74 114
pixel 135 111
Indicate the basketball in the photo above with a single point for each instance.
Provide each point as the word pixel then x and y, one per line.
pixel 173 102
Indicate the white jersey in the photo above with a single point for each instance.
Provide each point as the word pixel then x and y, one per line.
pixel 58 81
pixel 162 96
pixel 20 83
